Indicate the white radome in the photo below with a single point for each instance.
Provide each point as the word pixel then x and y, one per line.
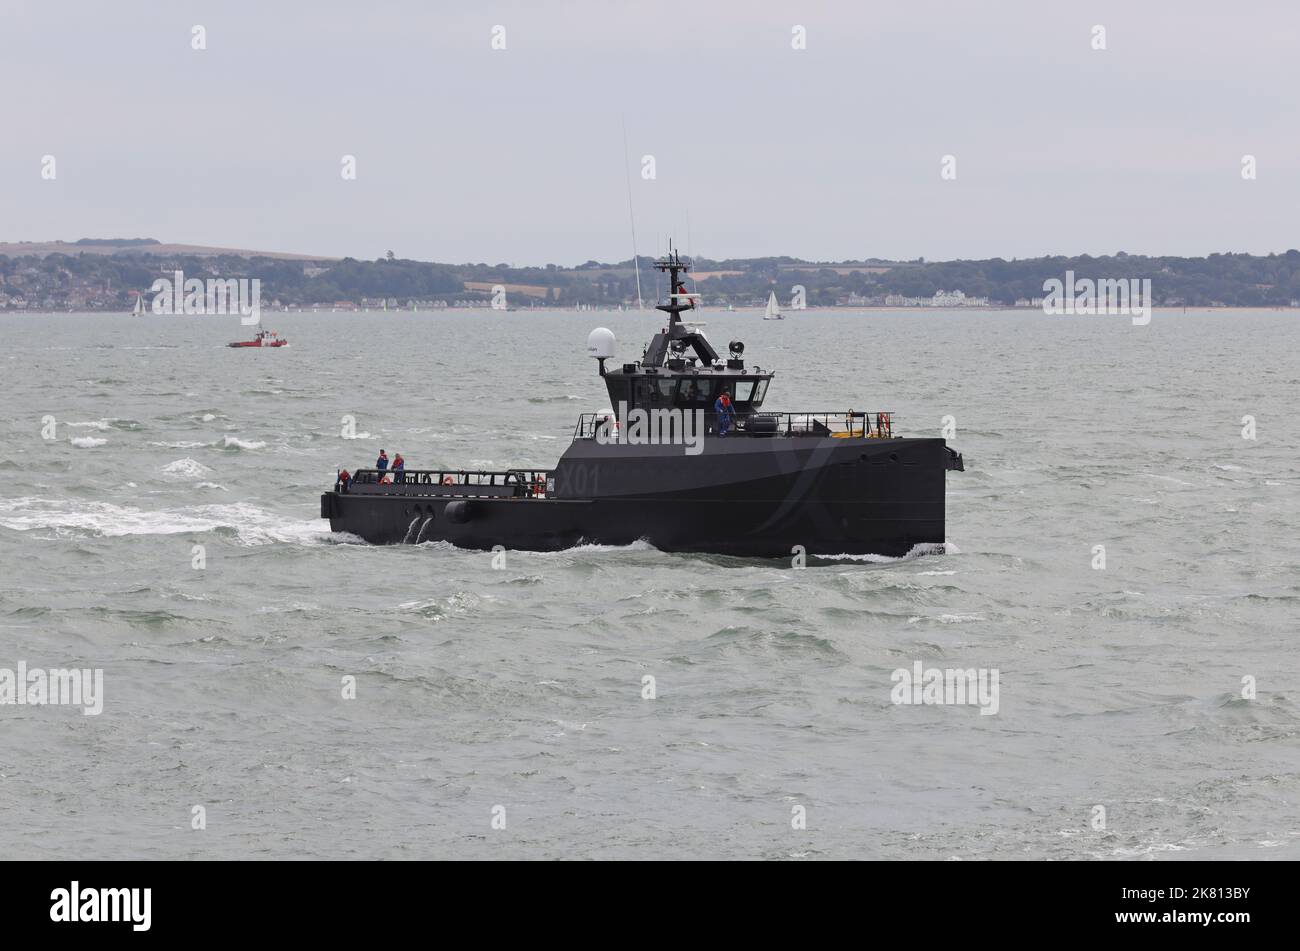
pixel 600 343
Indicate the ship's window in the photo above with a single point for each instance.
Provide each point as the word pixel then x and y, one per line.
pixel 744 388
pixel 692 391
pixel 654 391
pixel 760 390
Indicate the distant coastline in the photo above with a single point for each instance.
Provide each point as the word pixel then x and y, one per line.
pixel 704 314
pixel 108 275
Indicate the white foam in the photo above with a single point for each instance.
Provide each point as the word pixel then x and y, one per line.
pixel 252 526
pixel 91 424
pixel 581 549
pixel 458 603
pixel 639 545
pixel 1134 851
pixel 186 468
pixel 87 442
pixel 422 605
pixel 234 442
pixel 916 551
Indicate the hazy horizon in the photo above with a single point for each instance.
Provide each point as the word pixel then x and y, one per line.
pixel 467 153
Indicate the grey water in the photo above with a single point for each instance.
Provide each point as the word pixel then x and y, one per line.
pixel 167 533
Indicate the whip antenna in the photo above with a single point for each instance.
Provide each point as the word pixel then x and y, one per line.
pixel 627 175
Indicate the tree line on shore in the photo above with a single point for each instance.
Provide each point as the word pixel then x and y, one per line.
pixel 110 281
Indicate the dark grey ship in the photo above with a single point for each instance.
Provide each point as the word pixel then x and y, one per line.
pixel 673 466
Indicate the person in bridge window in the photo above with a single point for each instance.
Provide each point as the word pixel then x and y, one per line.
pixel 399 465
pixel 681 291
pixel 726 413
pixel 382 462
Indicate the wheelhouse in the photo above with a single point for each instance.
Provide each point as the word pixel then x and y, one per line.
pixel 640 387
pixel 679 369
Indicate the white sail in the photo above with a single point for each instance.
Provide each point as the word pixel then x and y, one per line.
pixel 773 311
pixel 139 306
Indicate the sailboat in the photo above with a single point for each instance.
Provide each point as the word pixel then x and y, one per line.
pixel 773 312
pixel 139 305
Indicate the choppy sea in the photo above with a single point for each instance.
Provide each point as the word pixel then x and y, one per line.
pixel 1120 554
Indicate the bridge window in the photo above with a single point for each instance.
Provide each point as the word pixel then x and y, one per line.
pixel 696 393
pixel 654 391
pixel 750 391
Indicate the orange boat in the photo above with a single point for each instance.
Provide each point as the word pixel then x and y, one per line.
pixel 264 338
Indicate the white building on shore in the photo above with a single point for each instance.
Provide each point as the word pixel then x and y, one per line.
pixel 957 299
pixel 940 299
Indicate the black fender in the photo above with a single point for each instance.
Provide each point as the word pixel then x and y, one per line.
pixel 458 512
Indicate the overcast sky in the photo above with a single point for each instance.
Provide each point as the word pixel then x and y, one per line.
pixel 466 153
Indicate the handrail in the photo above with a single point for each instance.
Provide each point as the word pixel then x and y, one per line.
pixel 872 425
pixel 525 482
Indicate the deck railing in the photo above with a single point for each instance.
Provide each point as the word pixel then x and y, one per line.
pixel 521 483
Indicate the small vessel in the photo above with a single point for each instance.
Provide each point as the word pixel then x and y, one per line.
pixel 138 311
pixel 773 311
pixel 264 338
pixel 688 459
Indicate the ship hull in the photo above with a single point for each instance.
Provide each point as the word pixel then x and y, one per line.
pixel 740 496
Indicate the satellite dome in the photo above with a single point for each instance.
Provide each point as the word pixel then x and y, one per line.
pixel 600 343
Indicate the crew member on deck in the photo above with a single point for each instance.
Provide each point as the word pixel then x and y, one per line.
pixel 722 406
pixel 399 465
pixel 345 479
pixel 382 462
